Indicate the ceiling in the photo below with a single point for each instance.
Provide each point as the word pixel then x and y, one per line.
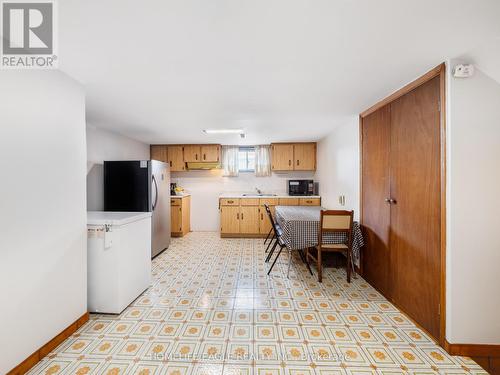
pixel 161 71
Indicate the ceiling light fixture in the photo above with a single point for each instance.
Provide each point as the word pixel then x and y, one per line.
pixel 224 131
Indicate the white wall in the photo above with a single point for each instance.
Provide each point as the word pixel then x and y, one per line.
pixel 473 204
pixel 105 145
pixel 43 272
pixel 338 167
pixel 206 186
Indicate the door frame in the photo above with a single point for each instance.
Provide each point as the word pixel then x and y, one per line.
pixel 440 71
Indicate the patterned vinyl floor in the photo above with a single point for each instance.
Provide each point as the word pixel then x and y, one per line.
pixel 212 310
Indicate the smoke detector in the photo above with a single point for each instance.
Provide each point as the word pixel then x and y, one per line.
pixel 463 71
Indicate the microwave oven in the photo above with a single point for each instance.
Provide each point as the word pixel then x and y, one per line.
pixel 301 187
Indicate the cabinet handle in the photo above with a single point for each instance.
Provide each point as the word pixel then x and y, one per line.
pixel 204 157
pixel 289 162
pixel 261 216
pixel 230 202
pixel 237 216
pixel 242 216
pixel 170 163
pixel 298 162
pixel 196 156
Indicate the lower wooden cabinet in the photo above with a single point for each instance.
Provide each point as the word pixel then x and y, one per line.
pixel 180 215
pixel 247 217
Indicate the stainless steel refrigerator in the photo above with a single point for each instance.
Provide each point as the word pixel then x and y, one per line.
pixel 141 186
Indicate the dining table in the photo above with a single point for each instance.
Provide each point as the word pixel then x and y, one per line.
pixel 300 225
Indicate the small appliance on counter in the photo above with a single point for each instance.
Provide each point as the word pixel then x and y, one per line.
pixel 118 259
pixel 173 186
pixel 301 187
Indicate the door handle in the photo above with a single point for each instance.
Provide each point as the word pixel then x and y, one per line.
pixel 390 201
pixel 156 193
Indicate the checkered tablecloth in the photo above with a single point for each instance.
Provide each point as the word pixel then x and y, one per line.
pixel 300 226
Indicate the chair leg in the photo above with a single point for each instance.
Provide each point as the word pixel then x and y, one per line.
pixel 353 269
pixel 269 244
pixel 348 266
pixel 267 237
pixel 289 263
pixel 277 256
pixel 305 260
pixel 272 251
pixel 320 265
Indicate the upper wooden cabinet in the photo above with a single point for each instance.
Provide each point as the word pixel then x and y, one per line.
pixel 159 152
pixel 304 155
pixel 293 157
pixel 192 153
pixel 282 157
pixel 210 153
pixel 176 158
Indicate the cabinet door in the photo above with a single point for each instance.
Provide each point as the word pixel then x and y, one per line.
pixel 210 153
pixel 192 153
pixel 289 201
pixel 159 152
pixel 176 219
pixel 304 156
pixel 375 213
pixel 176 158
pixel 264 222
pixel 282 157
pixel 310 201
pixel 249 219
pixel 230 219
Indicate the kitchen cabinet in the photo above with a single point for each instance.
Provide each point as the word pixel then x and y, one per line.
pixel 309 202
pixel 289 201
pixel 247 217
pixel 293 156
pixel 210 153
pixel 176 158
pixel 159 152
pixel 282 157
pixel 192 153
pixel 304 155
pixel 264 223
pixel 230 219
pixel 180 215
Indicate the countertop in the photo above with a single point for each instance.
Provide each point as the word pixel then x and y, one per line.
pixel 240 195
pixel 114 218
pixel 180 195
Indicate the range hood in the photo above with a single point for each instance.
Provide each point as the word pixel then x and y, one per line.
pixel 202 165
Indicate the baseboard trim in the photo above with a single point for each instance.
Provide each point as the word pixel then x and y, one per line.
pixel 473 350
pixel 34 358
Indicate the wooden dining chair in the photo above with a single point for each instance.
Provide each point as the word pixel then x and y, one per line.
pixel 334 222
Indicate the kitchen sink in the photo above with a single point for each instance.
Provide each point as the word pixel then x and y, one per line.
pixel 259 195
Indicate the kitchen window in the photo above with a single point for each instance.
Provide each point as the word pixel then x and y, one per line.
pixel 246 159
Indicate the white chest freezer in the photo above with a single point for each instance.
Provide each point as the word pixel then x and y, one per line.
pixel 118 259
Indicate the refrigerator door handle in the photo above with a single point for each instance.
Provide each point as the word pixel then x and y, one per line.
pixel 156 193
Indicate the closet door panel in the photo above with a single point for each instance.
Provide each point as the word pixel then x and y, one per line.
pixel 415 214
pixel 376 136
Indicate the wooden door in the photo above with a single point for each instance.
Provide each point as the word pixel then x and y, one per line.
pixel 249 219
pixel 159 152
pixel 192 153
pixel 304 156
pixel 176 219
pixel 282 157
pixel 210 153
pixel 176 158
pixel 230 219
pixel 415 213
pixel 375 189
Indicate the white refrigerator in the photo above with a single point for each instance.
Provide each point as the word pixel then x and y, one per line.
pixel 118 259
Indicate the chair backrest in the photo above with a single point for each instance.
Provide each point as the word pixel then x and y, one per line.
pixel 339 221
pixel 271 219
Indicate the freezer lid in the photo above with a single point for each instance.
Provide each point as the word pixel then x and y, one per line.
pixel 114 218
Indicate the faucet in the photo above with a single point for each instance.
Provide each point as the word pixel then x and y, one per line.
pixel 258 190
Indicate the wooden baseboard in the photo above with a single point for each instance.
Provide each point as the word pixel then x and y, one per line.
pixel 486 355
pixel 34 358
pixel 470 350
